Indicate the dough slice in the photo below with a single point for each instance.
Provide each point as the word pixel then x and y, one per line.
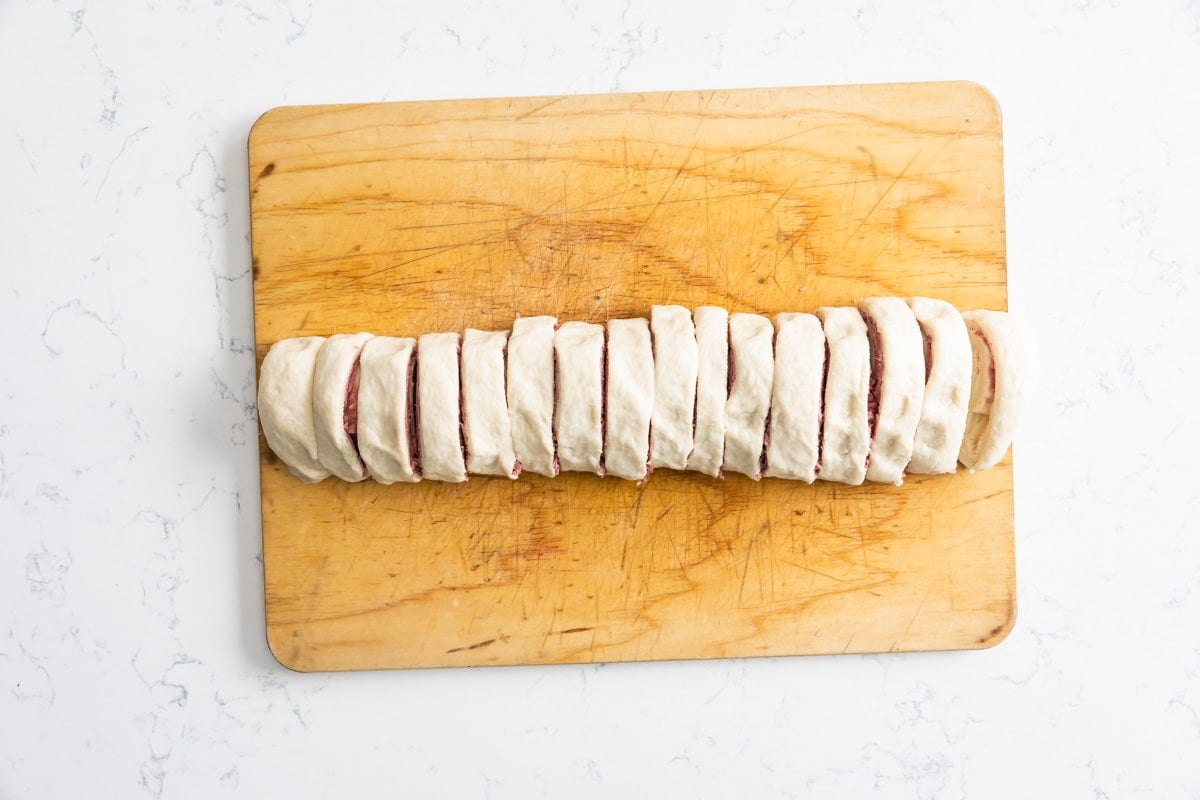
pixel 794 427
pixel 712 389
pixel 752 365
pixel 439 408
pixel 335 405
pixel 947 387
pixel 485 410
pixel 897 385
pixel 676 362
pixel 386 430
pixel 531 393
pixel 630 401
pixel 1002 362
pixel 578 421
pixel 846 438
pixel 285 408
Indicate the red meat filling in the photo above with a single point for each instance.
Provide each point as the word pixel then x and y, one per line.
pixel 554 411
pixel 876 379
pixel 991 395
pixel 462 409
pixel 350 409
pixel 516 470
pixel 762 459
pixel 928 352
pixel 730 368
pixel 600 470
pixel 650 433
pixel 876 373
pixel 821 413
pixel 412 416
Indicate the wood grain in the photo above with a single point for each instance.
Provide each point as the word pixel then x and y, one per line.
pixel 408 218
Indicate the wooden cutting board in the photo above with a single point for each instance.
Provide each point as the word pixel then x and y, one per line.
pixel 406 218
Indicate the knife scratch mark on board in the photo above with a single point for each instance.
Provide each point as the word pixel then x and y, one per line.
pixel 476 646
pixel 538 109
pixel 895 181
pixel 917 611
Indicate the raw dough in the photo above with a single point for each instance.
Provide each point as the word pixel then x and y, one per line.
pixel 485 409
pixel 794 443
pixel 531 393
pixel 285 391
pixel 578 425
pixel 630 398
pixel 385 409
pixel 712 389
pixel 676 361
pixel 947 389
pixel 846 439
pixel 999 384
pixel 752 364
pixel 438 408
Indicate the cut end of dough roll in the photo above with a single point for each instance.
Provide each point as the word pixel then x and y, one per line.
pixel 285 391
pixel 1002 363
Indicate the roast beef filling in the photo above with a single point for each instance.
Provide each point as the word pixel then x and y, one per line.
pixel 876 373
pixel 350 409
pixel 876 379
pixel 554 410
pixel 412 419
pixel 730 368
pixel 821 412
pixel 730 374
pixel 603 400
pixel 983 390
pixel 762 459
pixel 982 394
pixel 928 352
pixel 462 408
pixel 695 410
pixel 516 470
pixel 650 432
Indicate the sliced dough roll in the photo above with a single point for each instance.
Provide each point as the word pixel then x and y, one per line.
pixel 947 387
pixel 794 443
pixel 897 385
pixel 285 408
pixel 630 400
pixel 999 385
pixel 752 365
pixel 386 430
pixel 439 408
pixel 485 410
pixel 578 420
pixel 531 393
pixel 676 361
pixel 846 438
pixel 335 405
pixel 712 389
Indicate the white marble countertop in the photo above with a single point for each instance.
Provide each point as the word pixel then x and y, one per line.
pixel 132 654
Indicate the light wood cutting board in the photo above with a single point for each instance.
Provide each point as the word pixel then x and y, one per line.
pixel 407 218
